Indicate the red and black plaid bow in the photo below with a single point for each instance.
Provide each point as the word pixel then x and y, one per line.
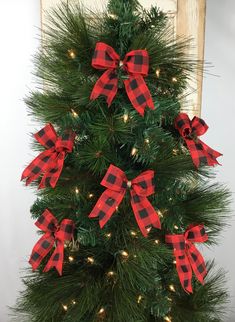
pixel 50 162
pixel 54 233
pixel 190 130
pixel 187 256
pixel 135 64
pixel 141 187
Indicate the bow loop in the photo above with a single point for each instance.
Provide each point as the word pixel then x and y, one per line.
pixel 188 258
pixel 137 62
pixel 105 57
pixel 50 162
pixel 190 130
pixel 143 185
pixel 54 234
pixel 116 183
pixel 114 179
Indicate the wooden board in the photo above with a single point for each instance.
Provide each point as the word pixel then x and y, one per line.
pixel 187 18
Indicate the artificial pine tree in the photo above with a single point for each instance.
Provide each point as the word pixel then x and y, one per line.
pixel 122 174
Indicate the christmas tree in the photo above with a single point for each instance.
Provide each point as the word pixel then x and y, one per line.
pixel 124 180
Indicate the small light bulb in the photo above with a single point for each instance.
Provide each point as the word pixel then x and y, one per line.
pixel 174 79
pixel 90 260
pixel 176 227
pixel 174 262
pixel 133 233
pixel 74 302
pixel 125 118
pixel 135 256
pixel 124 253
pixel 134 151
pixel 71 259
pixel 146 141
pixel 77 190
pixel 110 274
pixel 167 318
pixel 108 235
pixel 120 63
pixel 148 229
pixel 156 241
pixel 72 53
pixel 172 288
pixel 65 307
pixel 90 195
pixel 117 208
pixel 111 15
pixel 175 151
pixel 101 311
pixel 75 114
pixel 139 299
pixel 158 72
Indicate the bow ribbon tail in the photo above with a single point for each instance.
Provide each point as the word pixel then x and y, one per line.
pixel 138 93
pixel 144 213
pixel 197 262
pixel 57 258
pixel 38 166
pixel 106 205
pixel 106 85
pixel 41 249
pixel 53 171
pixel 211 154
pixel 184 271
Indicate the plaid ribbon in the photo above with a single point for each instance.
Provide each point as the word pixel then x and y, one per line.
pixel 54 233
pixel 50 162
pixel 135 64
pixel 187 256
pixel 117 184
pixel 190 130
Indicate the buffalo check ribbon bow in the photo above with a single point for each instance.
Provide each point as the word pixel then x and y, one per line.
pixel 117 184
pixel 135 64
pixel 190 130
pixel 49 162
pixel 54 234
pixel 187 256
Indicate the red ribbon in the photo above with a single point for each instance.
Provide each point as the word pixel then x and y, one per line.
pixel 50 162
pixel 190 130
pixel 54 233
pixel 188 258
pixel 135 64
pixel 117 184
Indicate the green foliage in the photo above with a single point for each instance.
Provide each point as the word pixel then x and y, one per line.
pixel 116 268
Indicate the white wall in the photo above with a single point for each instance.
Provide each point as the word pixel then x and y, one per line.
pixel 18 33
pixel 218 109
pixel 18 19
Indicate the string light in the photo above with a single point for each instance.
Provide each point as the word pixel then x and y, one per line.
pixel 175 151
pixel 108 235
pixel 174 79
pixel 120 63
pixel 110 274
pixel 176 227
pixel 111 15
pixel 167 318
pixel 172 288
pixel 72 53
pixel 133 233
pixel 135 256
pixel 90 195
pixel 101 311
pixel 148 229
pixel 65 307
pixel 75 114
pixel 77 190
pixel 134 151
pixel 158 72
pixel 74 302
pixel 139 299
pixel 71 259
pixel 125 118
pixel 174 262
pixel 147 141
pixel 124 253
pixel 90 260
pixel 156 241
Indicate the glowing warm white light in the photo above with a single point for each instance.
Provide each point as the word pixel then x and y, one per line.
pixel 101 311
pixel 75 114
pixel 156 241
pixel 133 233
pixel 139 299
pixel 176 227
pixel 90 195
pixel 74 302
pixel 167 318
pixel 134 151
pixel 72 53
pixel 110 274
pixel 158 72
pixel 71 259
pixel 77 190
pixel 108 235
pixel 174 79
pixel 65 307
pixel 90 260
pixel 172 288
pixel 125 118
pixel 124 253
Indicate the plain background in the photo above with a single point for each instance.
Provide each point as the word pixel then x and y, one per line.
pixel 18 38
